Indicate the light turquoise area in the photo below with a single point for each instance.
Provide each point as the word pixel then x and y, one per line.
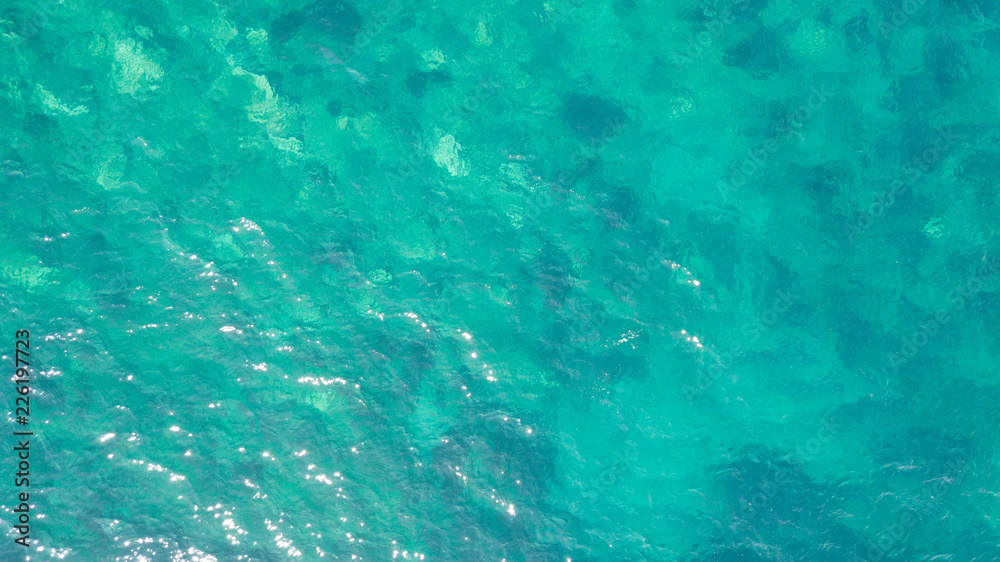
pixel 510 280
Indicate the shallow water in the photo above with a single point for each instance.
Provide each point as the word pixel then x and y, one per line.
pixel 504 280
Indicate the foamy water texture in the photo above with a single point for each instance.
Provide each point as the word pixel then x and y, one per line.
pixel 510 281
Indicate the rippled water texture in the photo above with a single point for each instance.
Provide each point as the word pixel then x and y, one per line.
pixel 517 280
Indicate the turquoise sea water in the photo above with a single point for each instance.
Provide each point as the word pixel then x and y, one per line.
pixel 510 280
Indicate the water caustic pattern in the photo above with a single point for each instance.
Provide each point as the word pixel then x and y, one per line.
pixel 512 280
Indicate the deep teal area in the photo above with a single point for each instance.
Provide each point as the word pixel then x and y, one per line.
pixel 514 280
